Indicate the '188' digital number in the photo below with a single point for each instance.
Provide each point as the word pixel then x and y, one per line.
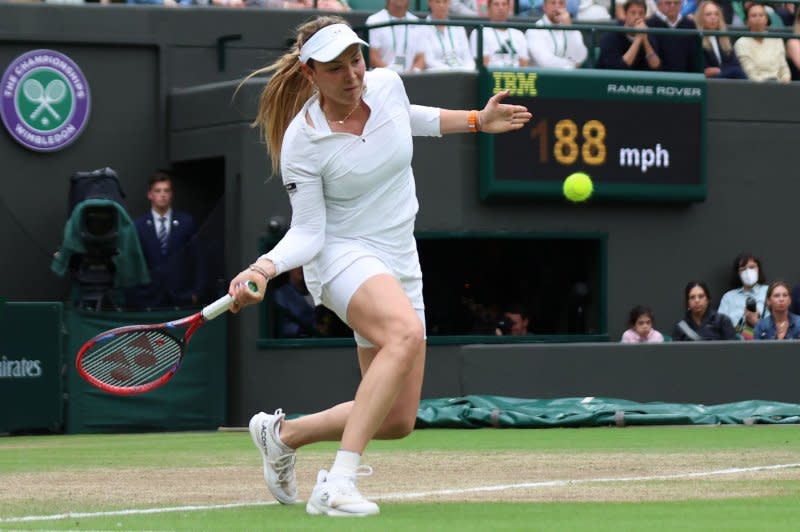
pixel 567 149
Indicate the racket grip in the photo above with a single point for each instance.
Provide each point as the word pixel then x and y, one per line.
pixel 222 304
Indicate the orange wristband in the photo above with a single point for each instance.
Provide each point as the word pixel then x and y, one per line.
pixel 472 121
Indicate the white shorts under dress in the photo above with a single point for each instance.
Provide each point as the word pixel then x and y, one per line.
pixel 336 294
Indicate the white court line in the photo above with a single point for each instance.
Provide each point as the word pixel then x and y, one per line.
pixel 414 495
pixel 559 483
pixel 138 511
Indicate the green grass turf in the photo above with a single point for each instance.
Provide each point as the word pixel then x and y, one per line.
pixel 763 514
pixel 74 452
pixel 43 453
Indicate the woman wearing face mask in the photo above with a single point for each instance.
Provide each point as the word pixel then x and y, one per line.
pixel 750 283
pixel 781 324
pixel 701 321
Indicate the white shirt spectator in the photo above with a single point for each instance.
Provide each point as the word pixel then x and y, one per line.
pixel 446 49
pixel 593 10
pixel 397 45
pixel 554 48
pixel 503 47
pixel 468 8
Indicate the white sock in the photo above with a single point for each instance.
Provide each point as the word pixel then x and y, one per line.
pixel 278 426
pixel 346 463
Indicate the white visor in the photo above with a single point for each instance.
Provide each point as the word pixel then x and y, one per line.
pixel 328 43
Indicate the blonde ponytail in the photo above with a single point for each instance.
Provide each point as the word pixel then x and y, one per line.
pixel 286 91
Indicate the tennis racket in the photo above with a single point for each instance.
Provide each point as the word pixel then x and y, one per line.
pixel 138 358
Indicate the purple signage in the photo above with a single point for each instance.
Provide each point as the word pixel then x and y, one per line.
pixel 45 100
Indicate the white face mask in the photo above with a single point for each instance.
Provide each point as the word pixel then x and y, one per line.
pixel 749 276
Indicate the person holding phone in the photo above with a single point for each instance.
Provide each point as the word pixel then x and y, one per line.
pixel 744 303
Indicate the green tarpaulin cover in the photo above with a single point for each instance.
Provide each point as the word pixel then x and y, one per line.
pixel 474 411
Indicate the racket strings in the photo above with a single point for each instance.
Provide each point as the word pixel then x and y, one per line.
pixel 133 358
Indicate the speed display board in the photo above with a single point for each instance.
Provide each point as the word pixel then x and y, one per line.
pixel 638 135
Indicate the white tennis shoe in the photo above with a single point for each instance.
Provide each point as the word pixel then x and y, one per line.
pixel 278 458
pixel 337 495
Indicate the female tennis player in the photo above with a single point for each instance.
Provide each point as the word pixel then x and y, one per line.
pixel 342 139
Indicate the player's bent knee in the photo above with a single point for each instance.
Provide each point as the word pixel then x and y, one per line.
pixel 396 427
pixel 410 335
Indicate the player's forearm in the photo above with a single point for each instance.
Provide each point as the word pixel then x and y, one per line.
pixel 457 121
pixel 267 265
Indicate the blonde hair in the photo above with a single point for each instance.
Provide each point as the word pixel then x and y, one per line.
pixel 723 41
pixel 287 90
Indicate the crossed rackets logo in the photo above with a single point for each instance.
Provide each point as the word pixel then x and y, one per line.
pixel 45 101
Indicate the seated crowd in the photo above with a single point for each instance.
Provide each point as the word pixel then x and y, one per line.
pixel 418 48
pixel 774 57
pixel 751 310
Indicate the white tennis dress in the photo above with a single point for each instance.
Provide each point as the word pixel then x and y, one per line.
pixel 354 196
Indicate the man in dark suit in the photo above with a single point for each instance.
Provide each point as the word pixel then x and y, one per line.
pixel 678 53
pixel 167 239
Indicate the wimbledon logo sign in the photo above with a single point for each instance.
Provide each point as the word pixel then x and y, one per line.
pixel 45 100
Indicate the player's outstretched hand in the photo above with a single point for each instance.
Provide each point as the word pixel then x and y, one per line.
pixel 499 117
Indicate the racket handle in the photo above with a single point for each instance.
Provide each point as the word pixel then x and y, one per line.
pixel 222 304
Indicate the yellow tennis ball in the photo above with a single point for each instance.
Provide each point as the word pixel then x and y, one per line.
pixel 578 187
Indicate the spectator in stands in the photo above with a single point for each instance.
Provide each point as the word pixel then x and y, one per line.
pixel 514 322
pixel 677 52
pixel 795 306
pixel 748 282
pixel 619 9
pixel 786 12
pixel 295 307
pixel 777 14
pixel 634 51
pixel 445 47
pixel 469 8
pixel 642 322
pixel 701 322
pixel 394 47
pixel 170 3
pixel 167 237
pixel 793 48
pixel 502 47
pixel 535 8
pixel 780 324
pixel 720 57
pixel 593 11
pixel 325 5
pixel 762 59
pixel 555 48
